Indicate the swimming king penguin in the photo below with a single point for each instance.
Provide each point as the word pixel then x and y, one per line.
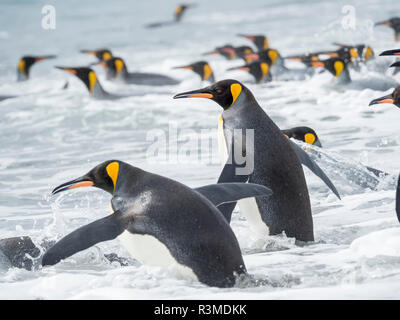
pixel 89 78
pixel 100 54
pixel 258 69
pixel 116 70
pixel 393 23
pixel 270 159
pixel 202 68
pixel 305 134
pixel 162 222
pixel 25 64
pixel 335 66
pixel 260 41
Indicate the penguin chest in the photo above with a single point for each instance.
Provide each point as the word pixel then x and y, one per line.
pixel 150 251
pixel 247 206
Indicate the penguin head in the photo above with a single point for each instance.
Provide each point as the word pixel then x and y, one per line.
pixel 104 176
pixel 101 54
pixel 226 51
pixel 202 68
pixel 393 98
pixel 260 41
pixel 334 65
pixel 224 92
pixel 86 75
pixel 305 134
pixel 258 69
pixel 114 67
pixel 180 9
pixel 269 56
pixel 393 23
pixel 25 64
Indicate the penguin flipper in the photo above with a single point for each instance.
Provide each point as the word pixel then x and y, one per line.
pixel 104 229
pixel 231 192
pixel 312 165
pixel 398 199
pixel 228 174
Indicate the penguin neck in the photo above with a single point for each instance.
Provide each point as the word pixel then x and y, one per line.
pixel 129 181
pixel 98 91
pixel 124 74
pixel 22 76
pixel 245 101
pixel 344 77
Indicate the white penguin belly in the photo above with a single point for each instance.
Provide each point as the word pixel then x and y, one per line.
pixel 149 250
pixel 247 206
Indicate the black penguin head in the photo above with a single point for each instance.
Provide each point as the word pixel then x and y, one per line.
pixel 393 98
pixel 103 176
pixel 258 69
pixel 202 68
pixel 86 75
pixel 393 23
pixel 224 92
pixel 334 65
pixel 114 66
pixel 269 56
pixel 101 54
pixel 243 51
pixel 26 62
pixel 304 134
pixel 260 41
pixel 180 9
pixel 226 51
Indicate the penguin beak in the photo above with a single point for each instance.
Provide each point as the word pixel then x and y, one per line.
pixel 395 52
pixel 77 183
pixel 90 52
pixel 201 93
pixel 252 56
pixel 384 99
pixel 211 52
pixel 317 64
pixel 243 68
pixel 396 64
pixel 101 62
pixel 184 67
pixel 70 70
pixel 384 23
pixel 251 38
pixel 37 59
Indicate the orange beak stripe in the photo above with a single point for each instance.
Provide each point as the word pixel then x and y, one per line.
pixel 82 184
pixel 391 101
pixel 317 64
pixel 71 71
pixel 201 95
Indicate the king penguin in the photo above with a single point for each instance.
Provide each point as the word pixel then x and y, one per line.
pixel 260 41
pixel 337 67
pixel 270 160
pixel 100 54
pixel 305 134
pixel 162 222
pixel 393 23
pixel 89 78
pixel 25 64
pixel 202 68
pixel 116 69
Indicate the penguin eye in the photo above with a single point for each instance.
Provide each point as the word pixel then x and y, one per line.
pixel 218 90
